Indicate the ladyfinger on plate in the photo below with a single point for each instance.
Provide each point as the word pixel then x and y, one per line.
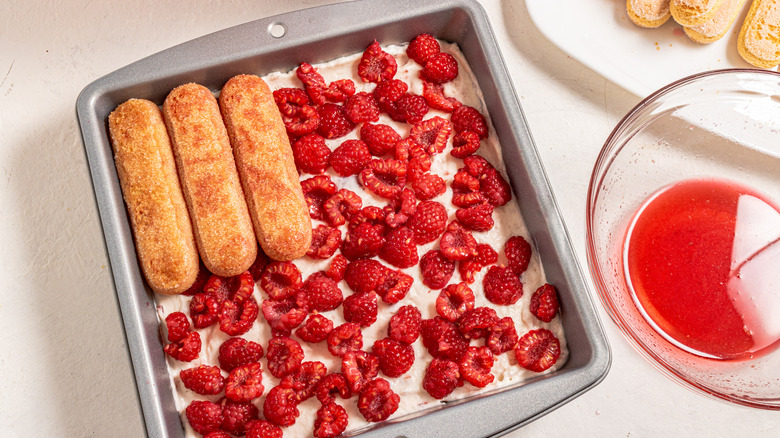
pixel 648 13
pixel 693 12
pixel 759 38
pixel 717 26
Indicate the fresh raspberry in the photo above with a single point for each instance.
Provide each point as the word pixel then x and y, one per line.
pixel 440 68
pixel 325 241
pixel 186 350
pixel 338 265
pixel 377 401
pixel 395 358
pixel 385 178
pixel 236 416
pixel 457 243
pixel 204 416
pixel 365 240
pixel 477 217
pixel 305 120
pixel 518 254
pixel 502 336
pixel 340 90
pixel 262 429
pixel 475 366
pixel 358 368
pixel 236 288
pixel 441 378
pixel 435 269
pixel 331 421
pixel 400 209
pixel 177 325
pixel 315 329
pixel 544 303
pixel 428 222
pixel 258 266
pixel 319 293
pixel 304 380
pixel 465 189
pixel 395 286
pixel 494 187
pixel 313 82
pixel 365 275
pixel 316 190
pixel 400 249
pixel 283 316
pixel 434 95
pixel 345 338
pixel 236 352
pixel 341 206
pixel 502 286
pixel 350 157
pixel 373 215
pixel 422 47
pixel 405 325
pixel 203 379
pixel 538 350
pixel 428 186
pixel 442 339
pixel 376 65
pixel 467 118
pixel 289 100
pixel 200 281
pixel 465 143
pixel 475 323
pixel 311 154
pixel 237 316
pixel 409 108
pixel 454 300
pixel 334 122
pixel 204 309
pixel 431 134
pixel 245 383
pixel 330 386
pixel 417 167
pixel 362 108
pixel 387 93
pixel 476 165
pixel 284 356
pixel 281 406
pixel 486 256
pixel 379 138
pixel 360 308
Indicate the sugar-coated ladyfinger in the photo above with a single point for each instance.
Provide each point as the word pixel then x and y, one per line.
pixel 207 170
pixel 266 166
pixel 717 26
pixel 693 12
pixel 150 186
pixel 648 13
pixel 759 38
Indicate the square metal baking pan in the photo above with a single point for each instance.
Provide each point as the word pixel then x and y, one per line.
pixel 316 35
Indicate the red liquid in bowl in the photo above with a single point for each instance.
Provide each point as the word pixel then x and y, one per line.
pixel 702 261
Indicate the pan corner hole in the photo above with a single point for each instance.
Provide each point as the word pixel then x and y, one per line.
pixel 277 30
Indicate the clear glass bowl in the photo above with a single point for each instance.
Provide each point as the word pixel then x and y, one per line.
pixel 722 124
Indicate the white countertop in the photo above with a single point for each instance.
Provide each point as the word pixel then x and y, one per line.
pixel 64 362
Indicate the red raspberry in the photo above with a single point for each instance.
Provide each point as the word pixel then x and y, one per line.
pixel 494 187
pixel 237 316
pixel 538 350
pixel 457 243
pixel 435 269
pixel 245 383
pixel 428 186
pixel 467 118
pixel 340 90
pixel 338 265
pixel 518 254
pixel 405 325
pixel 442 339
pixel 441 378
pixel 289 100
pixel 350 157
pixel 200 281
pixel 331 421
pixel 385 178
pixel 486 256
pixel 422 47
pixel 360 308
pixel 315 329
pixel 454 300
pixel 440 68
pixel 377 401
pixel 399 210
pixel 341 206
pixel 262 429
pixel 371 214
pixel 185 350
pixel 317 190
pixel 236 416
pixel 365 240
pixel 376 65
pixel 395 358
pixel 345 338
pixel 178 326
pixel 313 82
pixel 502 336
pixel 502 286
pixel 418 166
pixel 365 275
pixel 258 266
pixel 283 316
pixel 358 368
pixel 324 242
pixel 311 154
pixel 204 416
pixel 304 380
pixel 431 134
pixel 465 143
pixel 362 108
pixel 305 120
pixel 334 122
pixel 203 379
pixel 236 288
pixel 284 356
pixel 319 293
pixel 331 385
pixel 400 249
pixel 204 309
pixel 409 108
pixel 281 406
pixel 379 138
pixel 478 217
pixel 217 434
pixel 475 323
pixel 475 366
pixel 386 93
pixel 544 303
pixel 465 189
pixel 434 95
pixel 395 286
pixel 236 352
pixel 428 222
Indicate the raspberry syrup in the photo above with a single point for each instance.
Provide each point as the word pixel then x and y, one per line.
pixel 701 259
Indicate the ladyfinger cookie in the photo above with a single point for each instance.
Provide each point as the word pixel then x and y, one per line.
pixel 150 186
pixel 266 167
pixel 212 190
pixel 648 13
pixel 717 26
pixel 759 38
pixel 693 12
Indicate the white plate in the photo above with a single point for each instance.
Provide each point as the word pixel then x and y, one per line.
pixel 599 34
